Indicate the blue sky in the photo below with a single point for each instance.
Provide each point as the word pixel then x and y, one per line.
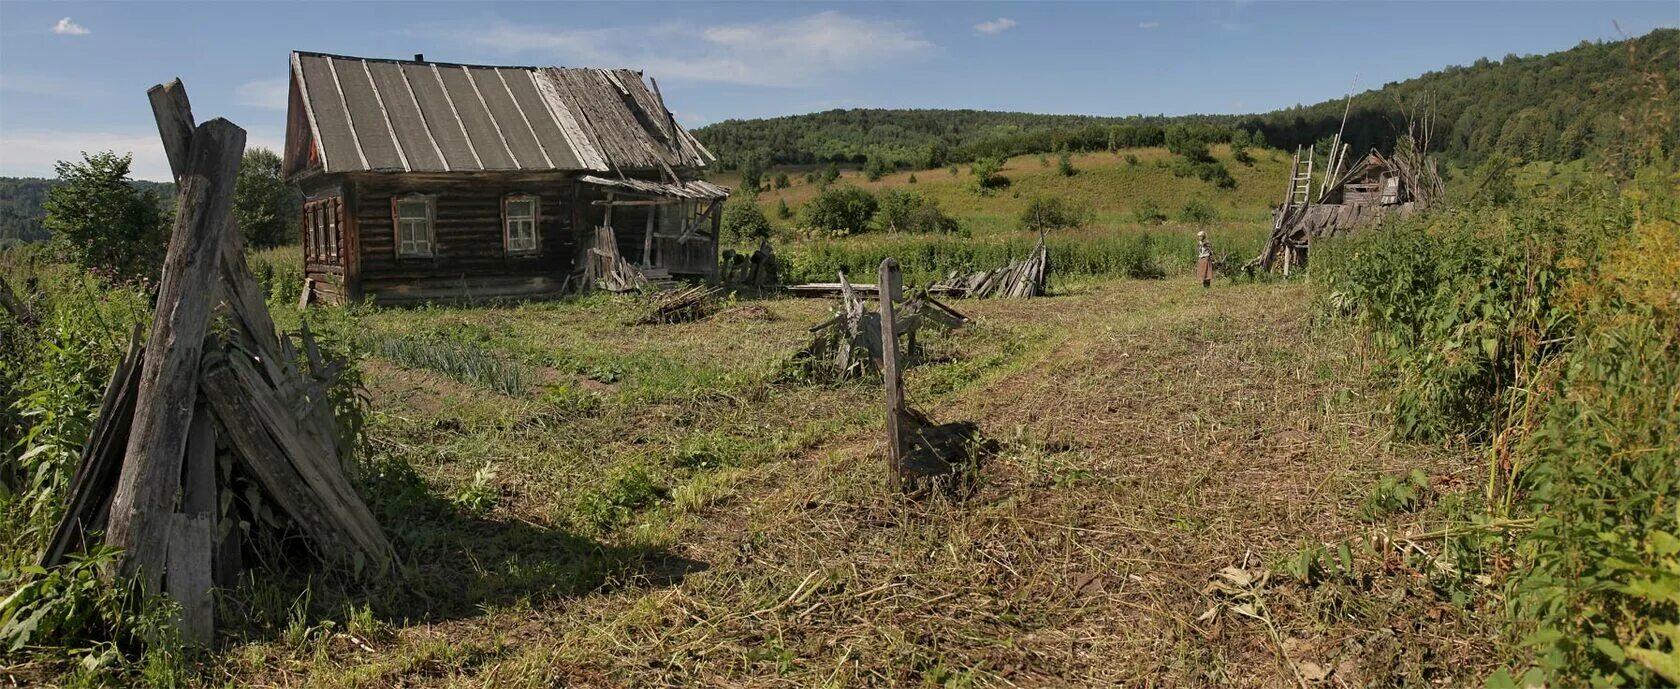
pixel 73 75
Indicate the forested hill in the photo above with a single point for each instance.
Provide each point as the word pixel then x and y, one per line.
pixel 1558 106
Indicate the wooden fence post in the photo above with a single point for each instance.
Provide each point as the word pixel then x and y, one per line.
pixel 891 284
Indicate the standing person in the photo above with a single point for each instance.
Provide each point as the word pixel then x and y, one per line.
pixel 1204 259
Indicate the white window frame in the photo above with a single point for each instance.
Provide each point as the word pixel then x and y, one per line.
pixel 512 242
pixel 414 247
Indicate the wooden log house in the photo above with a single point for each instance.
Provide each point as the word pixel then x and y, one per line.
pixel 437 181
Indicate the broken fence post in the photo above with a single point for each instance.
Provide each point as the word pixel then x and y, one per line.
pixel 891 284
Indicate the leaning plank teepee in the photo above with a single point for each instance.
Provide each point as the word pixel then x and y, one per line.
pixel 215 395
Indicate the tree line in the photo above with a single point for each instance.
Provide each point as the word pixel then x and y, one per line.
pixel 1558 107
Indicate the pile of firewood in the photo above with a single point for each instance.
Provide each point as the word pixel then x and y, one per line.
pixel 681 306
pixel 1022 278
pixel 849 345
pixel 605 268
pixel 214 412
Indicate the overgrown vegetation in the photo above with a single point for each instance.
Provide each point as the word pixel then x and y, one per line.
pixel 1547 332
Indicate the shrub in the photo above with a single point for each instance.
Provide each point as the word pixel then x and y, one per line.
pixel 782 209
pixel 752 175
pixel 908 211
pixel 743 221
pixel 1064 164
pixel 830 174
pixel 1197 212
pixel 841 211
pixel 912 179
pixel 782 181
pixel 1149 213
pixel 1131 160
pixel 1049 213
pixel 986 175
pixel 101 222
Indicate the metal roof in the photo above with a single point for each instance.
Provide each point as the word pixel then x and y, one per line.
pixel 411 116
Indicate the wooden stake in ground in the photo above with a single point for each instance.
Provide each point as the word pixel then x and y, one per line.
pixel 150 481
pixel 891 288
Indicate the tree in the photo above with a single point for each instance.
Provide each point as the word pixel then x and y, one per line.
pixel 265 207
pixel 743 221
pixel 1049 213
pixel 752 174
pixel 830 174
pixel 782 181
pixel 1064 164
pixel 782 210
pixel 876 168
pixel 841 211
pixel 100 221
pixel 986 178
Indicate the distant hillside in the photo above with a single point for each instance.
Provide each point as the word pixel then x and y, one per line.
pixel 1557 107
pixel 20 206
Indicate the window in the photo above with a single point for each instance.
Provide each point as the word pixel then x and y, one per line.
pixel 519 224
pixel 322 239
pixel 414 226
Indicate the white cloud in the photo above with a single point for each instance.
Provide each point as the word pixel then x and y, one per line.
pixel 69 28
pixel 1149 25
pixel 263 93
pixel 770 53
pixel 995 26
pixel 32 152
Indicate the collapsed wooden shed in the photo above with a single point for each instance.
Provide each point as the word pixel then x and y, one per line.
pixel 1348 197
pixel 429 180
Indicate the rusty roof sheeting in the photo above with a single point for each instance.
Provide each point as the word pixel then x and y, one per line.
pixel 407 116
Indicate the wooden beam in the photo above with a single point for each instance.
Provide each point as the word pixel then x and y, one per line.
pixel 174 122
pixel 892 286
pixel 141 508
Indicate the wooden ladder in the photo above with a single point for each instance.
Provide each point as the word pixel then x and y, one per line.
pixel 1300 178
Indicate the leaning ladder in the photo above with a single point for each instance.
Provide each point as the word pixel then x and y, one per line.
pixel 1300 178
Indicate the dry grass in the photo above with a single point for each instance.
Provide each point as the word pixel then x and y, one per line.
pixel 1152 434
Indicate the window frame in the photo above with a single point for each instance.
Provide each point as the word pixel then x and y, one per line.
pixel 397 225
pixel 536 224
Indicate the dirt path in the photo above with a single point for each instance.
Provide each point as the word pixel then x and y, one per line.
pixel 1159 435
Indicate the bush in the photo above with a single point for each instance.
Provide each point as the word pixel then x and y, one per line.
pixel 782 209
pixel 782 181
pixel 1131 160
pixel 1049 213
pixel 986 177
pixel 744 221
pixel 1064 164
pixel 1197 212
pixel 830 174
pixel 908 211
pixel 841 211
pixel 912 179
pixel 101 222
pixel 1149 213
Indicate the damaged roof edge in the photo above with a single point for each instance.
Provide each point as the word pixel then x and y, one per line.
pixel 609 121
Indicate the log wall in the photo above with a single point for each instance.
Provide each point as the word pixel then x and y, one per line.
pixel 469 256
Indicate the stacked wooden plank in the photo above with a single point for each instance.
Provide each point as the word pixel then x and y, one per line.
pixel 681 306
pixel 605 268
pixel 1020 279
pixel 202 407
